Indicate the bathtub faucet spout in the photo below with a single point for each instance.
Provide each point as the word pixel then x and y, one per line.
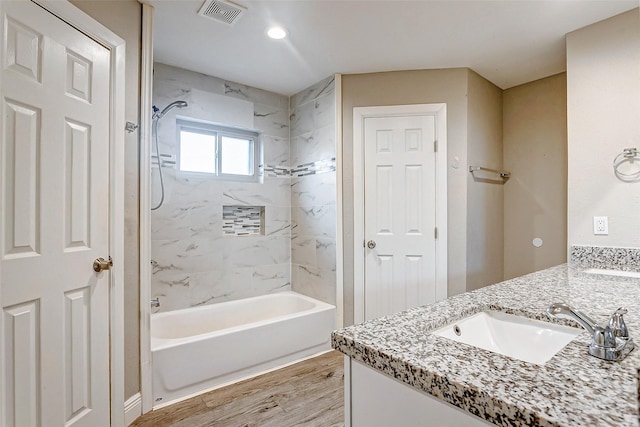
pixel 155 302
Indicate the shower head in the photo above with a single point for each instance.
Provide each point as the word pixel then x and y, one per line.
pixel 174 104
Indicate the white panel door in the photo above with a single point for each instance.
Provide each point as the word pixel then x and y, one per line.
pixel 400 213
pixel 54 221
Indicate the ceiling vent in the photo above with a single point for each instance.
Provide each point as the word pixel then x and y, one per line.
pixel 222 11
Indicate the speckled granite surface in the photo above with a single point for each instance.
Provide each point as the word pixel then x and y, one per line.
pixel 571 389
pixel 626 259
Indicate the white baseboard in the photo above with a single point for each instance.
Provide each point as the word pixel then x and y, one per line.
pixel 132 409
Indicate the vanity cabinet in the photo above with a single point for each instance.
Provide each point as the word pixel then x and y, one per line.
pixel 373 399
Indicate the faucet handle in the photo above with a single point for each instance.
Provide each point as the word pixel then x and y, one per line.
pixel 604 337
pixel 617 323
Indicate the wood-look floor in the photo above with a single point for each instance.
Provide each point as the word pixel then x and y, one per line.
pixel 309 393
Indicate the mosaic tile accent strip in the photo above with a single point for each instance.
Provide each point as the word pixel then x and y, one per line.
pixel 168 160
pixel 276 171
pixel 315 168
pixel 242 220
pixel 312 168
pixel 625 259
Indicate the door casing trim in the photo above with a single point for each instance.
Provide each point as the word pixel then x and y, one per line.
pixel 116 45
pixel 439 111
pixel 146 101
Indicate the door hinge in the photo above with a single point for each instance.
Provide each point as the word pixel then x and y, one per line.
pixel 435 146
pixel 435 233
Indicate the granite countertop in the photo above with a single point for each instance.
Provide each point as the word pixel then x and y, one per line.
pixel 571 389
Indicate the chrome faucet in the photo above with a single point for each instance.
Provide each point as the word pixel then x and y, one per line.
pixel 561 309
pixel 616 322
pixel 609 342
pixel 155 302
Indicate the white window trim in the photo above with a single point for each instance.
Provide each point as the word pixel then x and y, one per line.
pixel 220 130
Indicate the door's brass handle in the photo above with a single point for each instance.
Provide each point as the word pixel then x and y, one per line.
pixel 100 264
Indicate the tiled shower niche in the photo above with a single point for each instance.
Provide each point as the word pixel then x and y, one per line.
pixel 243 220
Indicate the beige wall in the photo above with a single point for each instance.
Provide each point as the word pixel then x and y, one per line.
pixel 401 88
pixel 124 19
pixel 484 198
pixel 535 197
pixel 603 100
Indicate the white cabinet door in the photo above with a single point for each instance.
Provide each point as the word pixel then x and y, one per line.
pixel 54 221
pixel 400 213
pixel 375 400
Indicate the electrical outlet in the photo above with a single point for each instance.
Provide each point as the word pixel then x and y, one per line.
pixel 601 225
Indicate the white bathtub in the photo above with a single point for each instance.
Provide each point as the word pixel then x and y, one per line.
pixel 198 349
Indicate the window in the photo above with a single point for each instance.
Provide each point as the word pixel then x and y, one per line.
pixel 197 151
pixel 217 151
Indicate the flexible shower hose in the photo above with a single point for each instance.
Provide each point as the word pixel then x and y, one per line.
pixel 155 133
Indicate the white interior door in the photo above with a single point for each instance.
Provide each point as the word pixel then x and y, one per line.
pixel 54 183
pixel 399 213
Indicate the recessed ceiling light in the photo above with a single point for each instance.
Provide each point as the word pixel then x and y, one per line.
pixel 277 33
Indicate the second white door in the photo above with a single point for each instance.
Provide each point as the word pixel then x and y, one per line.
pixel 399 213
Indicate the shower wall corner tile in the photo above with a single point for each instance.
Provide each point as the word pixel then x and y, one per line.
pixel 313 146
pixel 276 150
pixel 303 250
pixel 313 210
pixel 326 254
pixel 259 96
pixel 325 139
pixel 313 190
pixel 323 87
pixel 271 120
pixel 277 221
pixel 325 111
pixel 297 150
pixel 302 120
pixel 314 282
pixel 318 221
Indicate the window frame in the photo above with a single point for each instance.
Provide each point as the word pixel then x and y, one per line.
pixel 219 131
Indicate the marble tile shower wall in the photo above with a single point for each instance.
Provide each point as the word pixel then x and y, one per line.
pixel 193 262
pixel 313 195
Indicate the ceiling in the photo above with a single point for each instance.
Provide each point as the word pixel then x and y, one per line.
pixel 507 42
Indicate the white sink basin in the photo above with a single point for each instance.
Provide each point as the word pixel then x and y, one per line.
pixel 525 339
pixel 612 272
